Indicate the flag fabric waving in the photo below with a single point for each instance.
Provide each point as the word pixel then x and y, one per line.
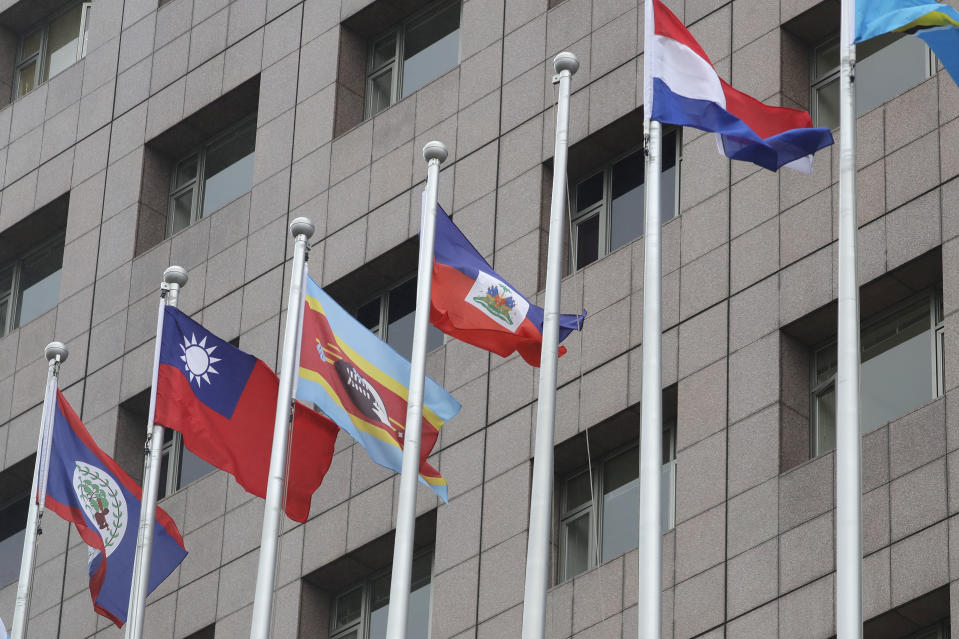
pixel 937 24
pixel 473 303
pixel 223 402
pixel 361 383
pixel 87 487
pixel 683 88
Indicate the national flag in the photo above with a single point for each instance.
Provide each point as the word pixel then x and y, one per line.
pixel 683 88
pixel 937 24
pixel 473 303
pixel 90 489
pixel 361 383
pixel 223 402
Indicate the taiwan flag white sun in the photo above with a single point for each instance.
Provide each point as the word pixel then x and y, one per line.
pixel 198 360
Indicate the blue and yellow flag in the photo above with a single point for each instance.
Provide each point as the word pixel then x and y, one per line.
pixel 362 384
pixel 937 24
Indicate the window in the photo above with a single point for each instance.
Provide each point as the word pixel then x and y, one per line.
pixel 209 632
pixel 212 176
pixel 901 369
pixel 51 47
pixel 30 285
pixel 390 317
pixel 14 503
pixel 608 205
pixel 599 508
pixel 412 55
pixel 187 467
pixel 361 611
pixel 886 66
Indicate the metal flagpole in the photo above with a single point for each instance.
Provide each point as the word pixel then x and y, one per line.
pixel 848 438
pixel 434 153
pixel 174 278
pixel 541 497
pixel 302 230
pixel 56 353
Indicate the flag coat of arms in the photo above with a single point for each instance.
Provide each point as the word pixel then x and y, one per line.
pixel 87 487
pixel 223 402
pixel 473 303
pixel 361 383
pixel 682 87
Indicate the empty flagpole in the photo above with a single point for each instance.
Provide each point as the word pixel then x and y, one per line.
pixel 56 353
pixel 434 153
pixel 541 494
pixel 848 438
pixel 174 278
pixel 302 230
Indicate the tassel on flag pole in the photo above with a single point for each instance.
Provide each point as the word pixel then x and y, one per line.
pixel 174 278
pixel 56 353
pixel 541 496
pixel 434 153
pixel 302 230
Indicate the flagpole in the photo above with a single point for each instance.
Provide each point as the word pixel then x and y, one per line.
pixel 302 230
pixel 56 353
pixel 848 438
pixel 434 153
pixel 174 278
pixel 541 496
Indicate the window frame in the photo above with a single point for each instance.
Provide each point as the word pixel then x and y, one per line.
pixel 15 266
pixel 43 27
pixel 594 506
pixel 198 183
pixel 933 296
pixel 602 207
pixel 383 296
pixel 362 625
pixel 395 64
pixel 173 452
pixel 819 81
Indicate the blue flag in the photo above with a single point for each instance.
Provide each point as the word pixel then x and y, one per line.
pixel 85 486
pixel 937 24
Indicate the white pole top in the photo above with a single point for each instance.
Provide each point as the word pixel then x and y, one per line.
pixel 566 61
pixel 302 226
pixel 435 150
pixel 55 350
pixel 176 275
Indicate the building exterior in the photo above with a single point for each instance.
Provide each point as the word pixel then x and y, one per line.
pixel 137 134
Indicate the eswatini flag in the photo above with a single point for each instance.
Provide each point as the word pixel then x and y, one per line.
pixel 683 88
pixel 362 384
pixel 473 303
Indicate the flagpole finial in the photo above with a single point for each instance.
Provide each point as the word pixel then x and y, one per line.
pixel 176 275
pixel 435 150
pixel 566 61
pixel 56 351
pixel 302 226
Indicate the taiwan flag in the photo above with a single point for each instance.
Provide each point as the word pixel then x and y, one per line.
pixel 85 486
pixel 473 303
pixel 223 402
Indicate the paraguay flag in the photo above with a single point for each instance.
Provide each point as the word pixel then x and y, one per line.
pixel 361 383
pixel 87 487
pixel 473 303
pixel 683 88
pixel 937 24
pixel 223 402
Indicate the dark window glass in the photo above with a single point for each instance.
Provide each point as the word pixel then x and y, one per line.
pixel 369 315
pixel 192 468
pixel 587 241
pixel 401 309
pixel 228 172
pixel 39 285
pixel 621 504
pixel 431 48
pixel 13 524
pixel 626 208
pixel 589 192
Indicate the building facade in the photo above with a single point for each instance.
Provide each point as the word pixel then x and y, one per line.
pixel 136 134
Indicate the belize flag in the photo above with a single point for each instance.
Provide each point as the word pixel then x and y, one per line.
pixel 682 87
pixel 223 402
pixel 937 24
pixel 87 487
pixel 473 303
pixel 361 383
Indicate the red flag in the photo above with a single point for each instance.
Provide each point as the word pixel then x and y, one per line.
pixel 223 402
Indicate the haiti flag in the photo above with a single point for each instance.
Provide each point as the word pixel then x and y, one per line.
pixel 223 402
pixel 473 303
pixel 90 489
pixel 361 383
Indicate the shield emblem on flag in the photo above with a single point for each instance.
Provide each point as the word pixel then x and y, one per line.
pixel 498 301
pixel 103 503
